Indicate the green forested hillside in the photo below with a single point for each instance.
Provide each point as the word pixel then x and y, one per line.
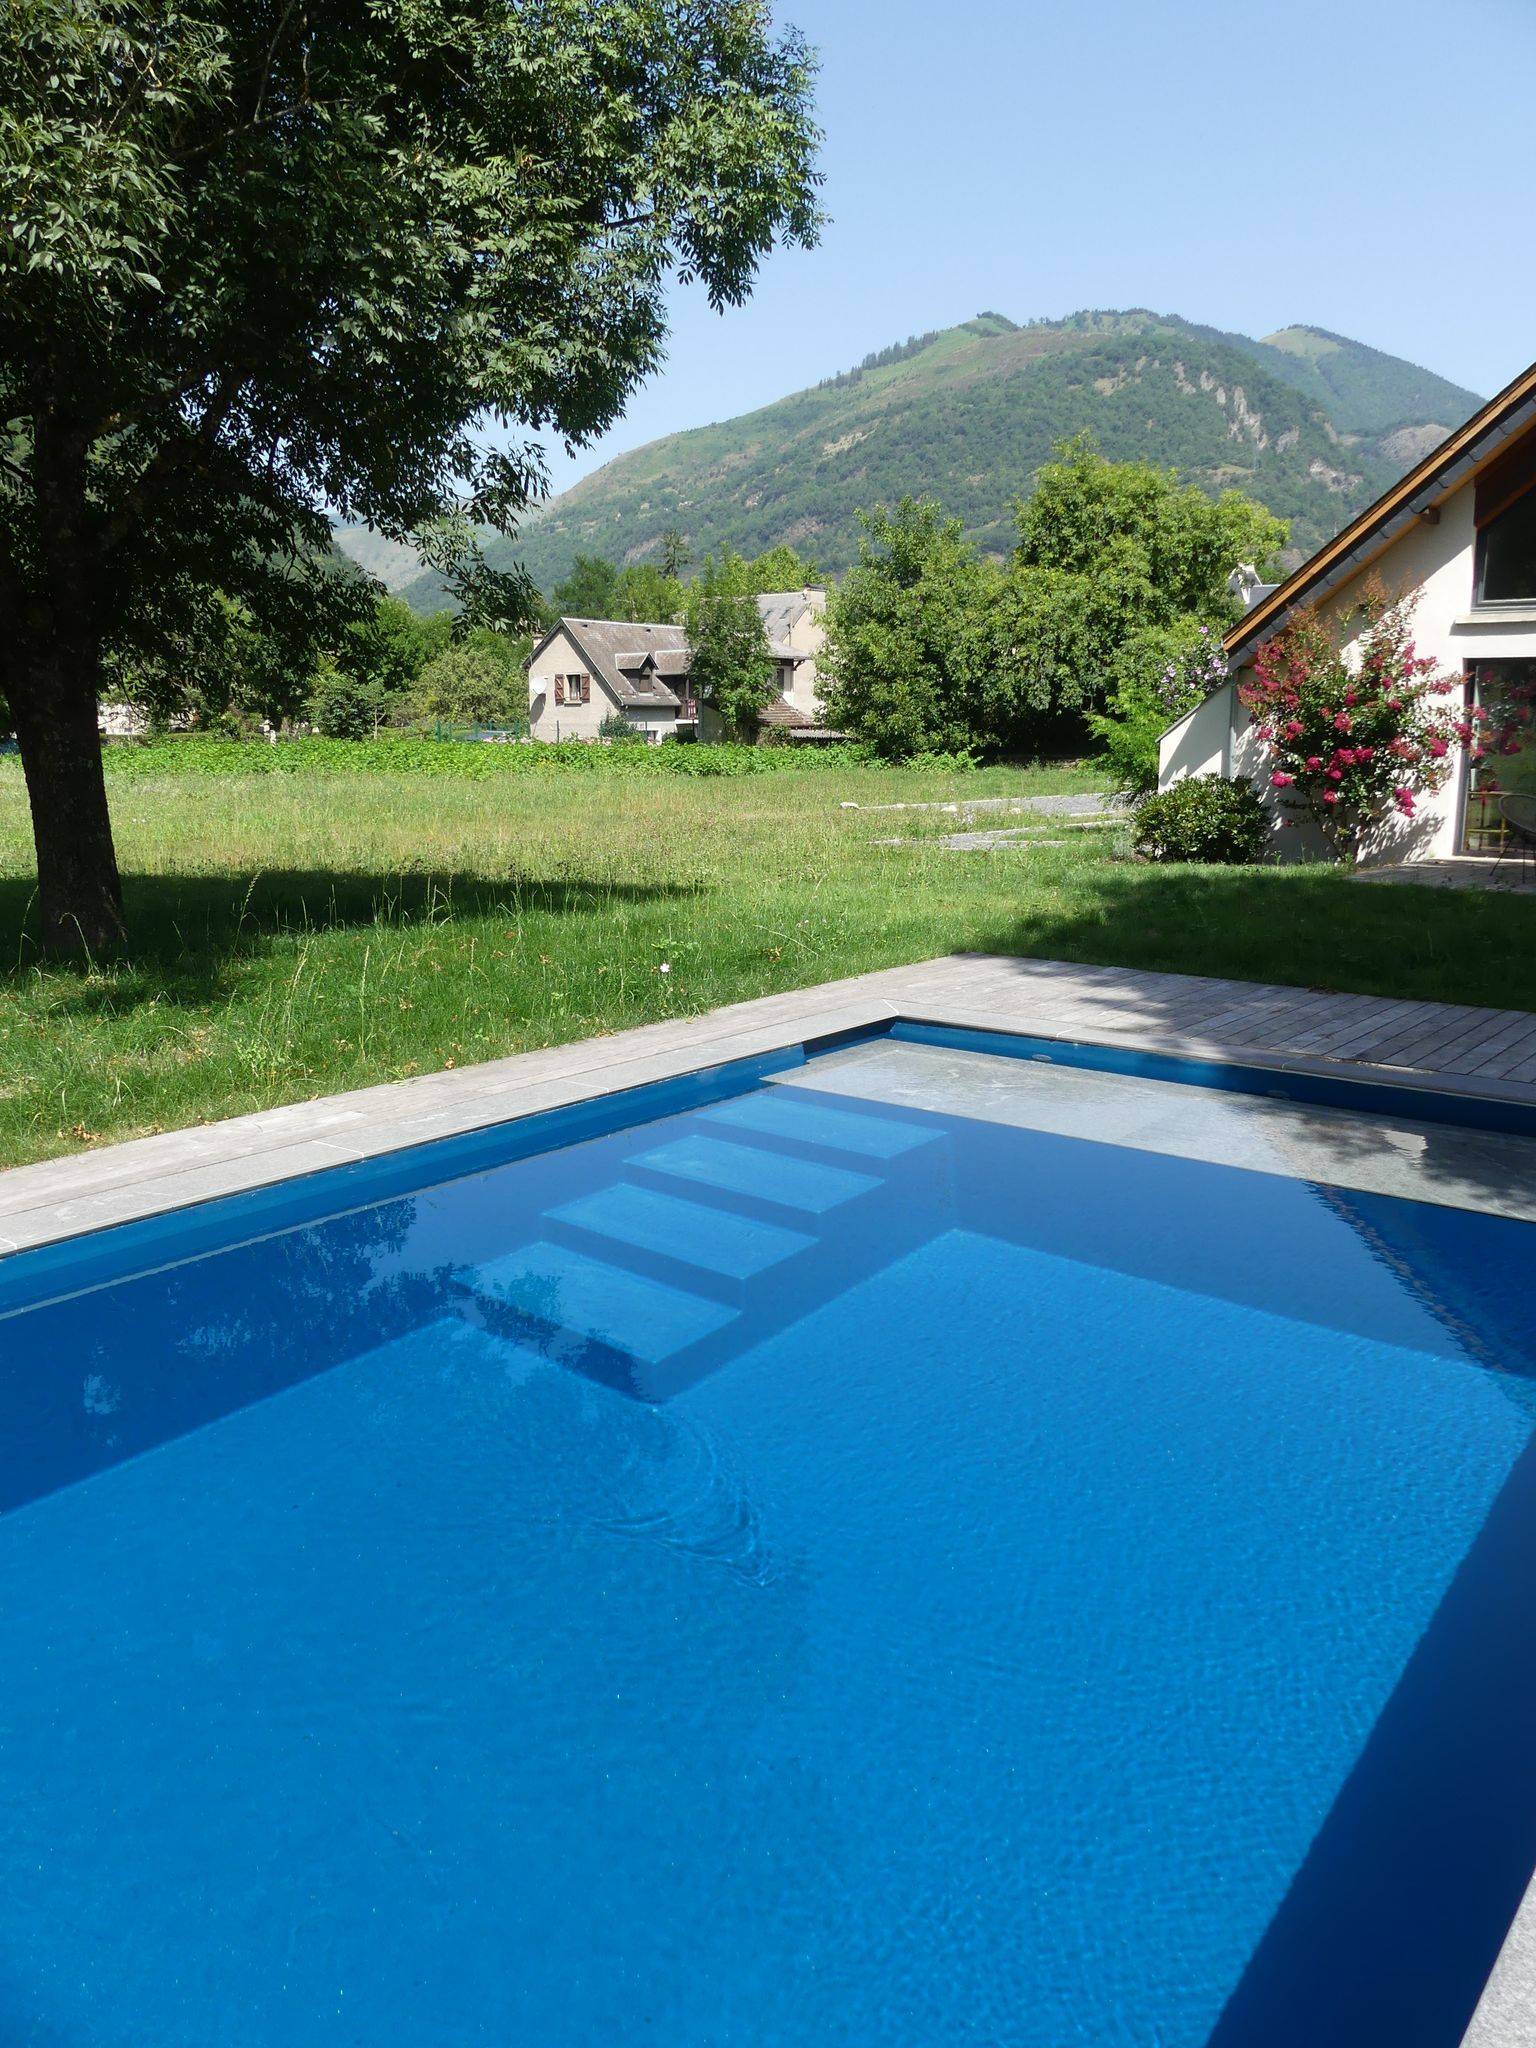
pixel 1362 390
pixel 1313 425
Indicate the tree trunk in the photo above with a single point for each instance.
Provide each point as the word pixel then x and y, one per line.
pixel 52 696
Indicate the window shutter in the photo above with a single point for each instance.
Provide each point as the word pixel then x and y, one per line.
pixel 559 689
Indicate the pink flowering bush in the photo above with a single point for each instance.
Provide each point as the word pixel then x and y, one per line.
pixel 1350 745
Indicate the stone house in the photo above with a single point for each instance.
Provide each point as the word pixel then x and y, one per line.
pixel 584 671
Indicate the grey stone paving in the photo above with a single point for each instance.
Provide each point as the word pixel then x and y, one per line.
pixel 1506 2013
pixel 986 842
pixel 1511 876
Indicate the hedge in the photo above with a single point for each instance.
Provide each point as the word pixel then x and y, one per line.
pixel 411 755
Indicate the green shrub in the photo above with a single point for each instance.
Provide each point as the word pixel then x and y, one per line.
pixel 623 732
pixel 1210 818
pixel 348 708
pixel 1158 673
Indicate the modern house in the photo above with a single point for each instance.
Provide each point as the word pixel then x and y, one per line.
pixel 587 670
pixel 1460 529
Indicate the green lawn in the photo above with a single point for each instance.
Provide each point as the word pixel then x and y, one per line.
pixel 297 934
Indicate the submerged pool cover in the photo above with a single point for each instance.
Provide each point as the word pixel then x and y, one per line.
pixel 907 1546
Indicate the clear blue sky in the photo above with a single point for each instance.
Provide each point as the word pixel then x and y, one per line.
pixel 1360 165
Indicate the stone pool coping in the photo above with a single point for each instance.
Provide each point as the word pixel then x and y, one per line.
pixel 1441 1047
pixel 1444 1047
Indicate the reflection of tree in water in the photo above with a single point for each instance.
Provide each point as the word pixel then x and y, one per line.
pixel 110 1373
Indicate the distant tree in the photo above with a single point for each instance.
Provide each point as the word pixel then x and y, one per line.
pixel 731 667
pixel 784 568
pixel 471 684
pixel 675 555
pixel 646 592
pixel 262 261
pixel 223 669
pixel 911 661
pixel 228 671
pixel 348 707
pixel 591 591
pixel 389 648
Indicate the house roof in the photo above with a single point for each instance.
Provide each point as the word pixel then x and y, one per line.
pixel 779 711
pixel 782 610
pixel 1458 459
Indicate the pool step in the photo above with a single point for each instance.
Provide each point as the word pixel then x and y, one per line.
pixel 776 1177
pixel 716 1241
pixel 707 1243
pixel 777 1115
pixel 566 1292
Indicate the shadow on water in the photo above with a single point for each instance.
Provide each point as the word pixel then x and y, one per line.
pixel 185 930
pixel 1391 1926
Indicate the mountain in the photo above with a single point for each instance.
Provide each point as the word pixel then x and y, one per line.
pixel 393 564
pixel 1362 390
pixel 1313 424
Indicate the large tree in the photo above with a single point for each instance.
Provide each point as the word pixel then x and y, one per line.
pixel 1111 550
pixel 268 258
pixel 911 661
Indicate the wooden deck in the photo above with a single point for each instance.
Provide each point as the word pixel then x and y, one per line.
pixel 1228 1018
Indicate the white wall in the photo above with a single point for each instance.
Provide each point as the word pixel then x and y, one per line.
pixel 654 722
pixel 806 636
pixel 1201 742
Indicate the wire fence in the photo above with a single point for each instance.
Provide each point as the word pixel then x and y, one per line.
pixel 483 735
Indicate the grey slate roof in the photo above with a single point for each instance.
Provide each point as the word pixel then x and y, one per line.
pixel 780 611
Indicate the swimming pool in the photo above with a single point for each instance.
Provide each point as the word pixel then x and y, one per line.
pixel 910 1544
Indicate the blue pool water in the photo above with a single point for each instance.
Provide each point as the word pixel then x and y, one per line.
pixel 793 1570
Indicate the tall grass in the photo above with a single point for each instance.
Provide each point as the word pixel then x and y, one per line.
pixel 295 935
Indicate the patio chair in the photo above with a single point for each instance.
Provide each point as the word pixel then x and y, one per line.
pixel 1517 814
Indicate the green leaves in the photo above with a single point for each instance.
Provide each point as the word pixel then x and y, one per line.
pixel 935 646
pixel 1214 819
pixel 731 667
pixel 913 635
pixel 264 259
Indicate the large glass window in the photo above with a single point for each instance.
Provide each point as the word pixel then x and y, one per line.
pixel 1506 555
pixel 1505 691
